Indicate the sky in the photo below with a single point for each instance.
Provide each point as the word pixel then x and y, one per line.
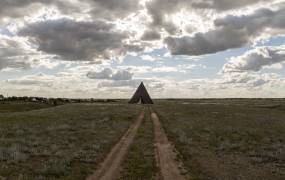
pixel 178 48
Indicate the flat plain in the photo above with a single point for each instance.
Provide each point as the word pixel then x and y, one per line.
pixel 215 139
pixel 228 138
pixel 60 142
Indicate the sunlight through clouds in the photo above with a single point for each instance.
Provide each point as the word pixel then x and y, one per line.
pixel 207 48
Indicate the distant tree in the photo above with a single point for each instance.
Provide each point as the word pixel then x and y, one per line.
pixel 13 98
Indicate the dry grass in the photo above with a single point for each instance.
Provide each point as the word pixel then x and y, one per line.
pixel 232 139
pixel 228 139
pixel 18 106
pixel 140 161
pixel 63 142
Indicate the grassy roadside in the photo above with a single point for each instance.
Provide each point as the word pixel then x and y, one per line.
pixel 140 162
pixel 19 106
pixel 227 140
pixel 63 142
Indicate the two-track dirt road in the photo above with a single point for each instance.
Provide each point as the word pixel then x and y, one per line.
pixel 170 168
pixel 110 167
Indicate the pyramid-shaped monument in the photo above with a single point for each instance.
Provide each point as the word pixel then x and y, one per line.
pixel 141 96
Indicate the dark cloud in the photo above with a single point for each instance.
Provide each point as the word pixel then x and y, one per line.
pixel 14 63
pixel 161 9
pixel 210 42
pixel 158 9
pixel 14 55
pixel 98 8
pixel 73 40
pixel 122 8
pixel 20 8
pixel 150 35
pixel 109 74
pixel 104 74
pixel 256 59
pixel 223 5
pixel 135 47
pixel 230 32
pixel 13 8
pixel 113 9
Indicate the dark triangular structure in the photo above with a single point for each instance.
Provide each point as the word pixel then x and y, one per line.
pixel 141 96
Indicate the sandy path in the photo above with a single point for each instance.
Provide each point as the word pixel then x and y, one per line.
pixel 109 169
pixel 165 153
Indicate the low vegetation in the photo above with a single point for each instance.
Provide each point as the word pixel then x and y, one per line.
pixel 18 106
pixel 216 139
pixel 61 142
pixel 228 139
pixel 140 162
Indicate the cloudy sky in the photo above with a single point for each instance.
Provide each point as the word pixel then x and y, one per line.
pixel 178 48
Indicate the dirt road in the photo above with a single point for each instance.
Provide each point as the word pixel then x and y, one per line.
pixel 110 167
pixel 165 153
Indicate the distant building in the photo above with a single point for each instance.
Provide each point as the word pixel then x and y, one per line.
pixel 141 96
pixel 34 99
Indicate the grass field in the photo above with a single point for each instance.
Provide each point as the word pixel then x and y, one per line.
pixel 228 139
pixel 140 161
pixel 19 106
pixel 216 139
pixel 63 142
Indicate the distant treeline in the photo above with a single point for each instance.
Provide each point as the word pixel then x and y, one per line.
pixel 52 101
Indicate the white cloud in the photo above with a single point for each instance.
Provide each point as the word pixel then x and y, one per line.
pixel 148 58
pixel 37 79
pixel 127 83
pixel 247 80
pixel 122 75
pixel 104 74
pixel 277 66
pixel 256 59
pixel 110 74
pixel 16 54
pixel 162 11
pixel 159 68
pixel 96 8
pixel 164 69
pixel 80 40
pixel 73 40
pixel 230 32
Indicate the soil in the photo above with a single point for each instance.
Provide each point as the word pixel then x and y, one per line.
pixel 170 168
pixel 110 167
pixel 166 157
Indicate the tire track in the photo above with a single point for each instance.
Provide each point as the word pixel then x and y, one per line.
pixel 110 167
pixel 165 153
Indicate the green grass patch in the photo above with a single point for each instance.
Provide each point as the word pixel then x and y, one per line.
pixel 227 139
pixel 62 142
pixel 19 106
pixel 140 162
